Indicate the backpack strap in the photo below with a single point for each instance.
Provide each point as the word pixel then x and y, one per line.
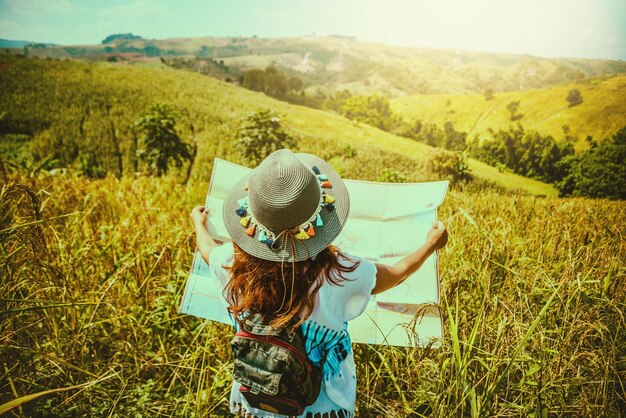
pixel 254 323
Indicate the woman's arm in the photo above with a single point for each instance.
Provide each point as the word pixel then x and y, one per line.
pixel 389 276
pixel 204 241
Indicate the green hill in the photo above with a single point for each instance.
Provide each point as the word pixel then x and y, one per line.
pixel 76 110
pixel 336 62
pixel 602 113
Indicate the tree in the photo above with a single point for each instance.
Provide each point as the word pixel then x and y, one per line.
pixel 295 84
pixel 455 140
pixel 574 97
pixel 527 153
pixel 512 108
pixel 488 94
pixel 122 36
pixel 408 129
pixel 253 80
pixel 597 172
pixel 449 165
pixel 373 110
pixel 336 101
pixel 271 82
pixel 160 144
pixel 261 134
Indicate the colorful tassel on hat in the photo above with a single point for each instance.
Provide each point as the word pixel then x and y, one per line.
pixel 318 221
pixel 269 243
pixel 329 199
pixel 330 207
pixel 250 231
pixel 310 232
pixel 322 177
pixel 243 201
pixel 326 185
pixel 245 221
pixel 315 170
pixel 245 187
pixel 241 211
pixel 262 236
pixel 302 235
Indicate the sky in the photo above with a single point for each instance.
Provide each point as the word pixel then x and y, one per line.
pixel 548 28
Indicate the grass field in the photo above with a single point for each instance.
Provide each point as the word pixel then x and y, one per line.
pixel 533 296
pixel 602 113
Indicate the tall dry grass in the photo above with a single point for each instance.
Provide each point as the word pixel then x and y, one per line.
pixel 92 274
pixel 534 299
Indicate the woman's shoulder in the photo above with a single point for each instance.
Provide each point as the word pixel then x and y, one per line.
pixel 349 269
pixel 364 267
pixel 352 293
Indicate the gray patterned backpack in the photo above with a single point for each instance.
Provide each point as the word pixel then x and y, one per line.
pixel 273 369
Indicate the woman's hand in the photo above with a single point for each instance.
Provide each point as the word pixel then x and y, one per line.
pixel 199 216
pixel 437 237
pixel 204 241
pixel 390 276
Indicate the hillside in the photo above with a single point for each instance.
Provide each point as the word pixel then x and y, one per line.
pixel 335 62
pixel 76 110
pixel 602 113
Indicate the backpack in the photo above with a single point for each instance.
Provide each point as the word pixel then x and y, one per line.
pixel 272 367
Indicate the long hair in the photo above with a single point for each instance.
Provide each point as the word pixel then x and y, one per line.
pixel 282 292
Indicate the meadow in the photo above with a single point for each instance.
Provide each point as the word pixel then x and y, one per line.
pixel 600 115
pixel 92 270
pixel 533 296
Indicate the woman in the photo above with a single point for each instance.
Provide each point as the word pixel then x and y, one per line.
pixel 282 218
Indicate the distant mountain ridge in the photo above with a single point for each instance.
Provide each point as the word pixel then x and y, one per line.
pixel 328 64
pixel 8 43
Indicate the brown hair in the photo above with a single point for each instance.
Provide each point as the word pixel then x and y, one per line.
pixel 281 292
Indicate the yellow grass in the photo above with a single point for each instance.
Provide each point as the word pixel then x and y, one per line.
pixel 93 272
pixel 602 113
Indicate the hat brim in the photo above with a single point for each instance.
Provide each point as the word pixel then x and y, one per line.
pixel 302 249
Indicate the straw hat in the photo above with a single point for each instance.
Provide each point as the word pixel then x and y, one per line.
pixel 289 208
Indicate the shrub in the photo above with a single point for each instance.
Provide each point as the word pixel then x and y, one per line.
pixel 160 143
pixel 260 134
pixel 449 166
pixel 373 110
pixel 389 175
pixel 574 97
pixel 429 133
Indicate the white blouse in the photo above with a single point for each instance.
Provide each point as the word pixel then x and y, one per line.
pixel 324 331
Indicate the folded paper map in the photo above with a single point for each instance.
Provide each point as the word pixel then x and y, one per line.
pixel 387 221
